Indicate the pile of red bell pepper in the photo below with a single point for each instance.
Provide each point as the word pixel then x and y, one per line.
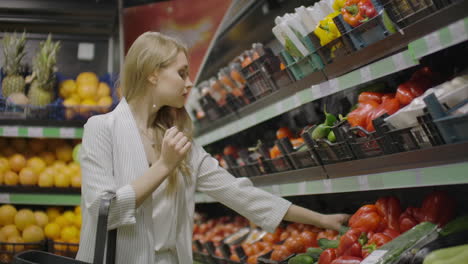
pixel 374 225
pixel 372 105
pixel 356 12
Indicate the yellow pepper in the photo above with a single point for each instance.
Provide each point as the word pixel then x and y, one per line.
pixel 326 30
pixel 338 5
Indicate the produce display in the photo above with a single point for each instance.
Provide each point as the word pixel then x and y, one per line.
pixel 38 162
pixel 21 229
pixel 382 231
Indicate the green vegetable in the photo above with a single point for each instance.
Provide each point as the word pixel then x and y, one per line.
pixel 314 252
pixel 330 119
pixel 344 229
pixel 301 259
pixel 321 131
pixel 456 225
pixel 398 245
pixel 451 255
pixel 341 117
pixel 327 243
pixel 331 136
pixel 452 240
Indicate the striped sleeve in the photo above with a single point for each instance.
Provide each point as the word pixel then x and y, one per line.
pixel 97 176
pixel 261 207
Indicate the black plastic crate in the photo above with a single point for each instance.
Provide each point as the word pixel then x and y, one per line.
pixel 299 159
pixel 430 130
pixel 336 48
pixel 9 250
pixel 265 259
pixel 366 144
pixel 63 248
pixel 374 30
pixel 251 169
pixel 327 152
pixel 278 164
pixel 406 12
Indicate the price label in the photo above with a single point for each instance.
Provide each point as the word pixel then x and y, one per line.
pixel 276 190
pixel 302 187
pixel 458 31
pixel 4 198
pixel 399 61
pixel 433 42
pixel 10 131
pixel 327 184
pixel 316 92
pixel 35 132
pixel 363 182
pixel 332 86
pixel 365 74
pixel 374 257
pixel 67 132
pixel 279 106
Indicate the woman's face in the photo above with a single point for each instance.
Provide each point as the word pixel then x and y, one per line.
pixel 173 83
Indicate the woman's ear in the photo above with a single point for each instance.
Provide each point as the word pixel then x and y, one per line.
pixel 153 79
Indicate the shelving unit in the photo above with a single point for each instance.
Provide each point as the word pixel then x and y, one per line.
pixel 418 40
pixel 41 132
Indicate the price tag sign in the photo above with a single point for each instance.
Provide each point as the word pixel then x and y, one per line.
pixel 327 184
pixel 363 182
pixel 332 86
pixel 399 61
pixel 433 42
pixel 4 198
pixel 365 74
pixel 10 131
pixel 35 132
pixel 316 92
pixel 458 31
pixel 374 257
pixel 67 132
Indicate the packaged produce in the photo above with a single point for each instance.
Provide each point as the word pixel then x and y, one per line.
pixel 326 29
pixel 452 255
pixel 356 12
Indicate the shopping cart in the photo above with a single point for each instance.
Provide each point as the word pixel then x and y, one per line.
pixel 41 257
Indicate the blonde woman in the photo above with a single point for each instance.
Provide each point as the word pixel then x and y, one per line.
pixel 143 151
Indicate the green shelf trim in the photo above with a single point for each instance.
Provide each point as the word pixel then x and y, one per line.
pixel 41 132
pixel 428 176
pixel 443 38
pixel 45 199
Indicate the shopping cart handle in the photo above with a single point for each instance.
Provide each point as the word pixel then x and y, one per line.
pixel 102 235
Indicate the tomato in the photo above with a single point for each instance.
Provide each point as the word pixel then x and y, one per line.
pixel 275 152
pixel 256 248
pixel 234 257
pixel 284 132
pixel 309 239
pixel 271 238
pixel 280 253
pixel 328 234
pixel 294 245
pixel 284 235
pixel 231 150
pixel 249 251
pixel 252 259
pixel 296 142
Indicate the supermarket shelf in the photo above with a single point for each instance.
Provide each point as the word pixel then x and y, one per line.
pixel 299 95
pixel 429 176
pixel 40 132
pixel 355 69
pixel 38 190
pixel 444 165
pixel 40 199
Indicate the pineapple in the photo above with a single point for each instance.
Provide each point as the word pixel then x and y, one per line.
pixel 41 91
pixel 13 52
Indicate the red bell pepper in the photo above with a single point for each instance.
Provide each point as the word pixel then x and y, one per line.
pixel 409 90
pixel 388 106
pixel 358 117
pixel 376 241
pixel 389 209
pixel 347 260
pixel 367 218
pixel 409 219
pixel 356 12
pixel 327 256
pixel 391 233
pixel 351 243
pixel 370 96
pixel 438 208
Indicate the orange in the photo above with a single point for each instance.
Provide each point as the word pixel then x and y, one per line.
pixel 62 221
pixel 71 106
pixel 104 103
pixel 24 218
pixel 87 91
pixel 17 162
pixel 76 181
pixel 87 78
pixel 77 210
pixel 10 178
pixel 41 218
pixel 36 164
pixel 75 167
pixel 52 231
pixel 9 231
pixel 67 88
pixel 4 164
pixel 37 145
pixel 48 157
pixel 77 221
pixel 46 178
pixel 64 153
pixel 27 177
pixel 33 234
pixel 61 180
pixel 7 214
pixel 3 238
pixel 103 90
pixel 68 233
pixel 52 213
pixel 13 247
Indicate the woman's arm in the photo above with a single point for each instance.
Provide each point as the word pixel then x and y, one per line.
pixel 174 148
pixel 305 216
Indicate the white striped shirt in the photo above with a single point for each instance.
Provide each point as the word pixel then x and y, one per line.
pixel 112 156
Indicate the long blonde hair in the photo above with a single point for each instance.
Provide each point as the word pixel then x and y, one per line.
pixel 153 51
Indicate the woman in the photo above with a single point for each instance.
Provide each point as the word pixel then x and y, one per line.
pixel 143 151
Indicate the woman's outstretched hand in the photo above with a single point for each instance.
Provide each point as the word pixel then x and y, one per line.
pixel 335 221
